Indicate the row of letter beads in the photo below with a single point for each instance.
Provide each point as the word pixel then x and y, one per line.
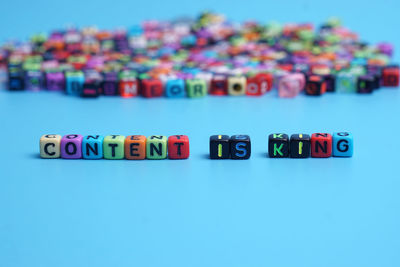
pixel 133 147
pixel 320 145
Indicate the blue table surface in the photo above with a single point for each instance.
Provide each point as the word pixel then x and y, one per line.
pixel 200 212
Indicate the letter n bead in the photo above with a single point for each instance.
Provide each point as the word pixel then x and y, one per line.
pixel 219 147
pixel 135 147
pixel 156 147
pixel 342 144
pixel 92 147
pixel 240 147
pixel 178 147
pixel 321 145
pixel 113 146
pixel 278 145
pixel 71 146
pixel 50 146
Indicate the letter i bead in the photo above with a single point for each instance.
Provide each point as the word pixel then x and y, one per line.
pixel 219 147
pixel 300 146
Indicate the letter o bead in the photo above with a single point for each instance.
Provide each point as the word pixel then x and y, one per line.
pixel 50 146
pixel 71 146
pixel 342 144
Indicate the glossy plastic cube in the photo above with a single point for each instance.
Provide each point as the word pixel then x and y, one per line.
pixel 71 146
pixel 113 147
pixel 156 147
pixel 135 147
pixel 342 144
pixel 196 88
pixel 50 146
pixel 175 88
pixel 92 147
pixel 178 147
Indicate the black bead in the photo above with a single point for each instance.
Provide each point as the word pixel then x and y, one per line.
pixel 278 145
pixel 219 147
pixel 90 89
pixel 315 85
pixel 330 81
pixel 240 147
pixel 300 145
pixel 365 84
pixel 16 82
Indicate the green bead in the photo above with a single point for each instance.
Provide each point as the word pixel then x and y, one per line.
pixel 196 87
pixel 113 146
pixel 156 147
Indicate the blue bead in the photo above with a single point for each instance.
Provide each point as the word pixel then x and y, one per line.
pixel 92 147
pixel 175 88
pixel 74 83
pixel 342 144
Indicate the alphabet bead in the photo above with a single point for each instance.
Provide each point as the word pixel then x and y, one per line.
pixel 71 146
pixel 321 145
pixel 113 146
pixel 240 147
pixel 178 147
pixel 219 147
pixel 236 86
pixel 300 146
pixel 342 144
pixel 156 147
pixel 135 147
pixel 92 147
pixel 278 145
pixel 196 88
pixel 50 146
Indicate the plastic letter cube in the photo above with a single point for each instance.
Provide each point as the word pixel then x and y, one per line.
pixel 71 146
pixel 50 146
pixel 346 82
pixel 321 145
pixel 110 84
pixel 300 146
pixel 390 76
pixel 240 146
pixel 175 88
pixel 74 82
pixel 219 147
pixel 342 144
pixel 178 147
pixel 365 84
pixel 113 146
pixel 55 81
pixel 152 88
pixel 135 147
pixel 219 85
pixel 196 88
pixel 259 84
pixel 156 147
pixel 291 85
pixel 278 145
pixel 315 85
pixel 237 86
pixel 92 147
pixel 33 80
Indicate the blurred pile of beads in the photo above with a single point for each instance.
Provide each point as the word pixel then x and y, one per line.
pixel 196 57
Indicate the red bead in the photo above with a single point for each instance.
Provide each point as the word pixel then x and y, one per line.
pixel 178 147
pixel 321 145
pixel 390 77
pixel 259 84
pixel 128 88
pixel 219 86
pixel 152 88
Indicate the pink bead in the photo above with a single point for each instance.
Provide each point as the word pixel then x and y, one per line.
pixel 291 85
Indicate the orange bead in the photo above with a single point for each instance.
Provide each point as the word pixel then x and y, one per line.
pixel 135 147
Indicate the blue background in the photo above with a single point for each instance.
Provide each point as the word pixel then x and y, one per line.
pixel 199 212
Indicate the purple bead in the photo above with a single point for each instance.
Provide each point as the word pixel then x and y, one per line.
pixel 110 83
pixel 71 146
pixel 55 81
pixel 386 49
pixel 33 80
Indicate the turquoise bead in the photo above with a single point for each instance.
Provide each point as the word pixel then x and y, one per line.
pixel 342 144
pixel 92 147
pixel 175 88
